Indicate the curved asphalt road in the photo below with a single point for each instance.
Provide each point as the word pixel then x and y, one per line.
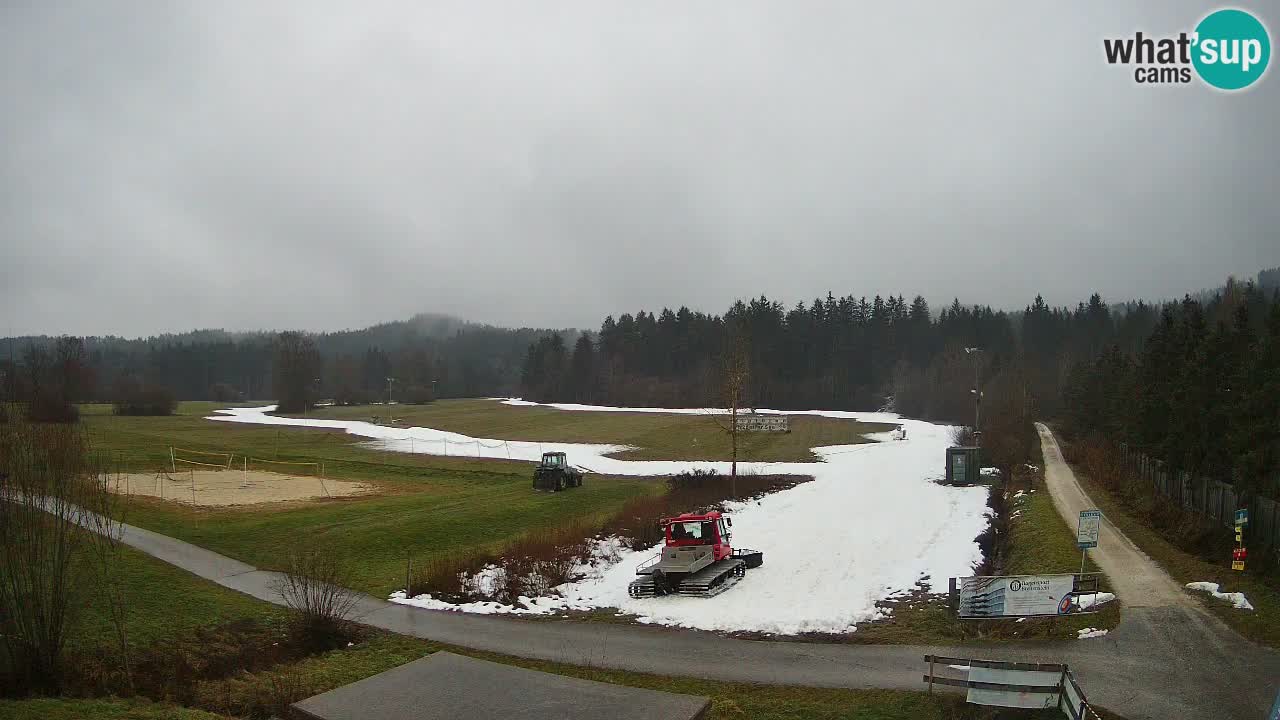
pixel 1168 659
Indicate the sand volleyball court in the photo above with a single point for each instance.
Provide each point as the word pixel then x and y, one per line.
pixel 221 488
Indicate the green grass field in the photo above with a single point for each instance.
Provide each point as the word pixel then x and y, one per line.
pixel 425 505
pixel 163 602
pixel 656 436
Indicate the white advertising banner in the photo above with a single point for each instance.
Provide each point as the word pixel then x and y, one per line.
pixel 1015 595
pixel 1014 698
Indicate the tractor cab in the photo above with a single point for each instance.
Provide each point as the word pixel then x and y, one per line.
pixel 553 460
pixel 692 529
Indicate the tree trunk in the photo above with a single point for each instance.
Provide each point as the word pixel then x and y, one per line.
pixel 733 438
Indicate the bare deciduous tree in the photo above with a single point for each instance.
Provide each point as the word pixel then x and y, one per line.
pixel 105 520
pixel 735 372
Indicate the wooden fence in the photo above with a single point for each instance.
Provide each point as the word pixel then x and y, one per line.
pixel 1012 684
pixel 1212 499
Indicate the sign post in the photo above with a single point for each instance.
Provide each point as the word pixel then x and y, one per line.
pixel 1238 553
pixel 1088 532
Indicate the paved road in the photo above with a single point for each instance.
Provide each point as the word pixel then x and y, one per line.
pixel 1170 661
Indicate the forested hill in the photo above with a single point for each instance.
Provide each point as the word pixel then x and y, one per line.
pixel 834 352
pixel 462 358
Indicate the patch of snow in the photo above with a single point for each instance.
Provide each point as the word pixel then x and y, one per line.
pixel 883 526
pixel 1084 602
pixel 1237 599
pixel 989 471
pixel 1086 633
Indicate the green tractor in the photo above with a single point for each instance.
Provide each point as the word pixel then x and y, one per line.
pixel 554 473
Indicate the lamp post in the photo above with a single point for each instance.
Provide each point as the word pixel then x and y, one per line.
pixel 315 385
pixel 977 394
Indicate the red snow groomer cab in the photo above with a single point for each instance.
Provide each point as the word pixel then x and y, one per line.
pixel 696 559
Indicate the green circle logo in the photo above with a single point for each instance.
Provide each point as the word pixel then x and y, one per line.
pixel 1231 49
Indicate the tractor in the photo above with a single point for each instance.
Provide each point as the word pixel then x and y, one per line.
pixel 696 559
pixel 554 473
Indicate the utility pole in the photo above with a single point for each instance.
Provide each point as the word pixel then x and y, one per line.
pixel 977 394
pixel 316 385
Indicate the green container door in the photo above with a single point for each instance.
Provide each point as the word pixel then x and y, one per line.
pixel 963 465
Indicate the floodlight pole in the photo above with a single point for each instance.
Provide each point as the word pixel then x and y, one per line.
pixel 977 395
pixel 316 385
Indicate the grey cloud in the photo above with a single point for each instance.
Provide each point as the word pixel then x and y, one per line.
pixel 327 165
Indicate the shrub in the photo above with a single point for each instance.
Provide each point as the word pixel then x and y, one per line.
pixel 351 396
pixel 47 480
pixel 416 395
pixel 994 540
pixel 135 398
pixel 315 586
pixel 223 392
pixel 271 695
pixel 444 575
pixel 962 436
pixel 44 408
pixel 638 521
pixel 530 565
pixel 695 479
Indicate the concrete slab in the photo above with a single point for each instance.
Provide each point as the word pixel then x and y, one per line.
pixel 451 686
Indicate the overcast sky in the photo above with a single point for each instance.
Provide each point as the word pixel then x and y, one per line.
pixel 171 165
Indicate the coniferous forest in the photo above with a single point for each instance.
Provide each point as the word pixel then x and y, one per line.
pixel 1195 383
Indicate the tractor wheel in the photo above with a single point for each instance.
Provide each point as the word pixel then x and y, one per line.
pixel 560 483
